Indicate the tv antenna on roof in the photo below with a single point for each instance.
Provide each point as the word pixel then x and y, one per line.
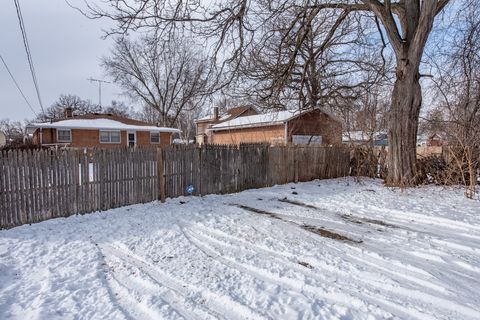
pixel 99 88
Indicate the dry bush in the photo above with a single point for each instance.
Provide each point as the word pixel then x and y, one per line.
pixel 368 162
pixel 434 169
pixel 465 161
pixel 456 166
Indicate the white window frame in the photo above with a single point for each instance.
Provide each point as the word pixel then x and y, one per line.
pixel 109 136
pixel 69 130
pixel 134 140
pixel 159 138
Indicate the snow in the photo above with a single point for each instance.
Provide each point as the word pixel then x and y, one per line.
pixel 102 124
pixel 259 119
pixel 413 255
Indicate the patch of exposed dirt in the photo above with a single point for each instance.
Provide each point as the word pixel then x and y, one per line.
pixel 314 229
pixel 379 222
pixel 350 218
pixel 328 234
pixel 259 211
pixel 346 217
pixel 305 264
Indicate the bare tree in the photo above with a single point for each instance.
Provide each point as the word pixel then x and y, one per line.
pixel 119 108
pixel 457 83
pixel 333 66
pixel 57 109
pixel 405 23
pixel 14 131
pixel 166 76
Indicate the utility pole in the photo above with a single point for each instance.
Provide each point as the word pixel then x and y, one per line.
pixel 99 88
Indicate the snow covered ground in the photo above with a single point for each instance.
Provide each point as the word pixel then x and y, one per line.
pixel 331 249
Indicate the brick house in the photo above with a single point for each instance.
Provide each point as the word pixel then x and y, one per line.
pixel 203 125
pixel 99 130
pixel 283 127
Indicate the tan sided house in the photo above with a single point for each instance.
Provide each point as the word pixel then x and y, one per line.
pixel 204 125
pixel 282 127
pixel 99 130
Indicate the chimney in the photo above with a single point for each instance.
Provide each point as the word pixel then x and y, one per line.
pixel 215 113
pixel 68 112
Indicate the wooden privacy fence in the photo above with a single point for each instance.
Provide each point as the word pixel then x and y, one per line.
pixel 216 169
pixel 42 184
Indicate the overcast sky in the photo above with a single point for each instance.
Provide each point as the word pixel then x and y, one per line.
pixel 66 49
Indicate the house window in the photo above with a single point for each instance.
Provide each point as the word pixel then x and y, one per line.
pixel 154 137
pixel 109 136
pixel 64 135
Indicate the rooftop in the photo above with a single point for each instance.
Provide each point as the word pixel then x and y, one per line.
pixel 98 123
pixel 266 119
pixel 228 115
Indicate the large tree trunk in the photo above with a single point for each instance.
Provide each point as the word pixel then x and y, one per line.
pixel 403 126
pixel 408 34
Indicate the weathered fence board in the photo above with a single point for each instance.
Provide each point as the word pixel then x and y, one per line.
pixel 43 184
pixel 227 169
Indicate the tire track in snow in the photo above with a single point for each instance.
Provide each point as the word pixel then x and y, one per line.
pixel 404 216
pixel 138 291
pixel 286 259
pixel 393 234
pixel 441 298
pixel 408 267
pixel 218 305
pixel 106 284
pixel 318 230
pixel 308 291
pixel 131 301
pixel 371 296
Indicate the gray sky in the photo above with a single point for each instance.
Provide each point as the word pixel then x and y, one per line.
pixel 66 48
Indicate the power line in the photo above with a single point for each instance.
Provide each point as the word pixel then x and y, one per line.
pixel 27 50
pixel 16 84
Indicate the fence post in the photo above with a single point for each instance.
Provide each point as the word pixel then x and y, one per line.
pixel 295 163
pixel 161 176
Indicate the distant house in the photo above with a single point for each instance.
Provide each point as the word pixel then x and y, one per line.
pixel 435 140
pixel 3 139
pixel 431 140
pixel 204 125
pixel 282 127
pixel 358 138
pixel 99 130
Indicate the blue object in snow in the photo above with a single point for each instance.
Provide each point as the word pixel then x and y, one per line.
pixel 189 189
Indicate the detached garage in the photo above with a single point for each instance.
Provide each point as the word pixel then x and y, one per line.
pixel 283 127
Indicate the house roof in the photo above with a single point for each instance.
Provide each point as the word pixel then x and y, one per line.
pixel 89 123
pixel 228 115
pixel 266 119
